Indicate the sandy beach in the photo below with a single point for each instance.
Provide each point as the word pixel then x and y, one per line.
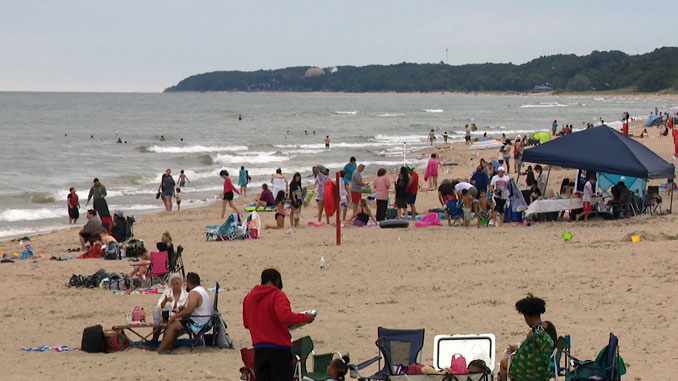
pixel 448 280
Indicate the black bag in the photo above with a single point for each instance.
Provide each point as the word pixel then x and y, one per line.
pixel 93 339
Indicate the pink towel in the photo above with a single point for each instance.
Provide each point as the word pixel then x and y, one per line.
pixel 430 219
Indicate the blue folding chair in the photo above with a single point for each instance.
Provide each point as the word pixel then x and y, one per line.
pixel 398 346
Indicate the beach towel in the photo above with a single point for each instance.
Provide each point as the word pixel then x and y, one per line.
pixel 431 168
pixel 95 252
pixel 45 348
pixel 430 219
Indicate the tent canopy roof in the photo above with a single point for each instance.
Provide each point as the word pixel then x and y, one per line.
pixel 601 149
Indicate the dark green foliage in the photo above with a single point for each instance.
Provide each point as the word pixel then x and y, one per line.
pixel 611 70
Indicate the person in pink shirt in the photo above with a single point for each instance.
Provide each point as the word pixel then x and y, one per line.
pixel 431 174
pixel 228 194
pixel 381 186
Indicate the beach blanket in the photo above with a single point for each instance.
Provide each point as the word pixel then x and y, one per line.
pixel 96 251
pixel 45 348
pixel 430 219
pixel 487 143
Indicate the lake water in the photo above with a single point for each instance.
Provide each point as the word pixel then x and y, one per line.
pixel 47 143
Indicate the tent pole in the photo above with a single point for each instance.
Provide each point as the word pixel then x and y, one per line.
pixel 671 203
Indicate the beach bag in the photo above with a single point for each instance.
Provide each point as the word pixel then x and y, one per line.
pixel 223 340
pixel 112 251
pixel 133 247
pixel 116 341
pixel 458 364
pixel 93 339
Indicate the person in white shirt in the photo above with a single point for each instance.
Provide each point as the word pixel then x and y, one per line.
pixel 499 186
pixel 589 192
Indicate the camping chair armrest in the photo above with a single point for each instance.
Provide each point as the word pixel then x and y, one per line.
pixel 367 363
pixel 140 264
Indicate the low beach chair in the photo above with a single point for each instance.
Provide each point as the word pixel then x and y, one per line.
pixel 158 271
pixel 176 262
pixel 302 350
pixel 225 232
pixel 608 366
pixel 653 200
pixel 211 325
pixel 397 346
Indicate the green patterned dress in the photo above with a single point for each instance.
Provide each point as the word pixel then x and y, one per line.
pixel 531 362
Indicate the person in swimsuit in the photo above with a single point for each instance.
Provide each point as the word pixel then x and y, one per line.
pixel 295 199
pixel 327 142
pixel 167 188
pixel 362 215
pixel 182 179
pixel 73 206
pixel 280 212
pixel 484 208
pixel 228 193
pixel 243 180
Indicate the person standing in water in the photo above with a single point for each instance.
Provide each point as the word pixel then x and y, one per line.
pixel 167 185
pixel 182 179
pixel 431 137
pixel 327 142
pixel 243 180
pixel 73 206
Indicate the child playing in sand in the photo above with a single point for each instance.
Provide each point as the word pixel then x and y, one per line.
pixel 467 199
pixel 177 196
pixel 484 208
pixel 280 212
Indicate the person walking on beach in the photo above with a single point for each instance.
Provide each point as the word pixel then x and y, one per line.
pixel 267 314
pixel 499 186
pixel 177 197
pixel 327 142
pixel 166 188
pixel 97 192
pixel 412 190
pixel 445 136
pixel 183 179
pixel 401 185
pixel 73 206
pixel 295 199
pixel 431 174
pixel 431 137
pixel 589 192
pixel 321 178
pixel 467 137
pixel 227 197
pixel 243 180
pixel 357 185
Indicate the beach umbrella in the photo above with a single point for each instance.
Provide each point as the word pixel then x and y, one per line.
pixel 543 137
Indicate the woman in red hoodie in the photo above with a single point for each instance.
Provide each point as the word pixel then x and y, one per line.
pixel 266 312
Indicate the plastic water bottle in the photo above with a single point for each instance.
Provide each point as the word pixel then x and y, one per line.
pixel 322 262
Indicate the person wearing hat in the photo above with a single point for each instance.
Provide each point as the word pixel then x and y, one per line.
pixel 267 314
pixel 119 230
pixel 499 186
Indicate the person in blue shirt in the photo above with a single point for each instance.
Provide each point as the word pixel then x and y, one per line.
pixel 480 180
pixel 349 168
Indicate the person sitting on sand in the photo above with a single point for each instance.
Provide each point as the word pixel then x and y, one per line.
pixel 362 215
pixel 105 237
pixel 644 134
pixel 266 197
pixel 141 268
pixel 90 232
pixel 198 312
pixel 484 208
pixel 338 368
pixel 280 212
pixel 531 358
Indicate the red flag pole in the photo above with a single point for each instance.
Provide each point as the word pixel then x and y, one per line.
pixel 337 204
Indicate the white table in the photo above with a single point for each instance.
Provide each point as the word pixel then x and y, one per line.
pixel 557 205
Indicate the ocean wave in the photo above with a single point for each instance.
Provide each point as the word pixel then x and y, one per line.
pixel 544 105
pixel 399 139
pixel 346 112
pixel 251 158
pixel 39 197
pixel 14 215
pixel 195 149
pixel 28 231
pixel 387 115
pixel 434 110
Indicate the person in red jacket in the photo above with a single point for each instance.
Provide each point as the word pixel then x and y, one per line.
pixel 266 312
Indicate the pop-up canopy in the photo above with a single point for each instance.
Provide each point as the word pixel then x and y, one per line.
pixel 601 149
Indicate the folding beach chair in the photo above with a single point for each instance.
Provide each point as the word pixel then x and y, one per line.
pixel 176 262
pixel 398 346
pixel 608 366
pixel 302 350
pixel 653 203
pixel 247 370
pixel 215 320
pixel 562 350
pixel 225 232
pixel 453 210
pixel 158 270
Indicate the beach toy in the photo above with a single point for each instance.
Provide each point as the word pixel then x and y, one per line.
pixel 483 221
pixel 635 238
pixel 41 256
pixel 567 236
pixel 27 252
pixel 16 255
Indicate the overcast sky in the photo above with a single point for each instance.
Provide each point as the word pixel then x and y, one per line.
pixel 148 45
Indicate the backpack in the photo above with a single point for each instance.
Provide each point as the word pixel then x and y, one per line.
pixel 133 246
pixel 93 339
pixel 112 251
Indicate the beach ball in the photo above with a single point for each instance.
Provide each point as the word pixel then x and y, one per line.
pixel 567 236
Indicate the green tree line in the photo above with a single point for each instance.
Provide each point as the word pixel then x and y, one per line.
pixel 608 70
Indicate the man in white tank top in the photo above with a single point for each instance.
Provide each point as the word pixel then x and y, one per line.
pixel 199 309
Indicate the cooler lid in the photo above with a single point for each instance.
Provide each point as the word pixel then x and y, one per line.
pixel 472 347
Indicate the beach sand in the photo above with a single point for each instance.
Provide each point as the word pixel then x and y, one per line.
pixel 448 280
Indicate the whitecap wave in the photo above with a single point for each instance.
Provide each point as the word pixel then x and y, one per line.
pixel 251 158
pixel 14 215
pixel 346 112
pixel 544 105
pixel 20 232
pixel 387 115
pixel 434 110
pixel 195 149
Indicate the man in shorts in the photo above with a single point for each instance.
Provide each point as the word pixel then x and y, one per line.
pixel 357 185
pixel 499 186
pixel 589 192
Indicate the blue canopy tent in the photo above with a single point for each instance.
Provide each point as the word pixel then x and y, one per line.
pixel 654 120
pixel 602 149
